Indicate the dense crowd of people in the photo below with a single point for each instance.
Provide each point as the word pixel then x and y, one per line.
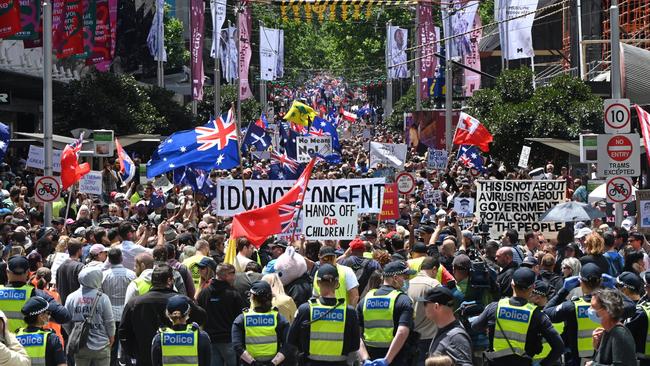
pixel 115 281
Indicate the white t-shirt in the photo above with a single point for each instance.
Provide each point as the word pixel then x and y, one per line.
pixel 350 279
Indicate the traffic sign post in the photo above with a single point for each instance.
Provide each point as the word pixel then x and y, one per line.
pixel 619 155
pixel 47 189
pixel 405 183
pixel 619 190
pixel 617 116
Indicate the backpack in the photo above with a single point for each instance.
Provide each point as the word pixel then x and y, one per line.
pixel 615 267
pixel 362 274
pixel 78 337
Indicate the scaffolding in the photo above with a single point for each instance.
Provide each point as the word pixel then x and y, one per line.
pixel 634 20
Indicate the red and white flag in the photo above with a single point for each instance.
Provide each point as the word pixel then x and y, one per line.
pixel 71 170
pixel 472 132
pixel 348 116
pixel 644 122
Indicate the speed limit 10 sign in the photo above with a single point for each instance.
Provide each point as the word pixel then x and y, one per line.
pixel 617 116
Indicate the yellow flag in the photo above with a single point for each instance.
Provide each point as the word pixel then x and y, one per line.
pixel 300 114
pixel 231 252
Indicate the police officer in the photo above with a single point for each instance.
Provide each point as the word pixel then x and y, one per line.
pixel 578 327
pixel 16 294
pixel 181 344
pixel 349 285
pixel 42 346
pixel 259 334
pixel 325 329
pixel 539 297
pixel 515 326
pixel 631 285
pixel 386 315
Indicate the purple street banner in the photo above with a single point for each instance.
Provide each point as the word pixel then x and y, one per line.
pixel 101 53
pixel 197 7
pixel 30 22
pixel 473 59
pixel 9 18
pixel 89 23
pixel 67 38
pixel 112 13
pixel 245 52
pixel 427 36
pixel 58 14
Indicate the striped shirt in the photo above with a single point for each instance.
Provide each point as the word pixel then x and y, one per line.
pixel 116 280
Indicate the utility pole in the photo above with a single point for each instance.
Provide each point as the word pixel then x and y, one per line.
pixel 615 77
pixel 449 85
pixel 217 87
pixel 418 62
pixel 47 101
pixel 581 52
pixel 160 71
pixel 388 108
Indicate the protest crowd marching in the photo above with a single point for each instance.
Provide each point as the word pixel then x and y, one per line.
pixel 284 252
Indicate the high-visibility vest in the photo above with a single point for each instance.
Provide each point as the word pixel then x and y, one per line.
pixel 192 264
pixel 327 327
pixel 646 352
pixel 180 348
pixel 416 264
pixel 546 348
pixel 512 323
pixel 378 325
pixel 142 285
pixel 341 292
pixel 367 255
pixel 34 344
pixel 261 336
pixel 12 299
pixel 586 328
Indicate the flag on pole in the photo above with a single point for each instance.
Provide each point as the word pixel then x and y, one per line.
pixel 300 113
pixel 127 168
pixel 472 132
pixel 71 170
pixel 156 37
pixel 262 122
pixel 258 224
pixel 644 123
pixel 256 137
pixel 348 116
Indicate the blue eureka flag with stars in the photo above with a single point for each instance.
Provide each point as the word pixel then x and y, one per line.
pixel 470 157
pixel 211 146
pixel 288 139
pixel 256 138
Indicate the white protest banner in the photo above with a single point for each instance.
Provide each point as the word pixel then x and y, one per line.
pixel 518 204
pixel 523 157
pixel 464 206
pixel 367 194
pixel 437 159
pixel 329 221
pixel 91 183
pixel 308 145
pixel 36 159
pixel 163 183
pixel 393 155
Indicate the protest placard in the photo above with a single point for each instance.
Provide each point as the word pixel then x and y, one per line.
pixel 464 206
pixel 366 193
pixel 432 196
pixel 390 205
pixel 329 221
pixel 163 183
pixel 437 159
pixel 309 145
pixel 518 204
pixel 36 159
pixel 91 183
pixel 393 155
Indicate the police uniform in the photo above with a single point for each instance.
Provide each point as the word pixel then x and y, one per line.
pixel 542 289
pixel 325 329
pixel 42 346
pixel 342 290
pixel 261 333
pixel 515 327
pixel 181 344
pixel 15 295
pixel 639 323
pixel 381 312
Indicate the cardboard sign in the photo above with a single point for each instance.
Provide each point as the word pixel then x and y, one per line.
pixel 393 155
pixel 518 204
pixel 309 145
pixel 643 210
pixel 329 221
pixel 437 159
pixel 390 205
pixel 91 183
pixel 433 197
pixel 523 157
pixel 36 159
pixel 464 206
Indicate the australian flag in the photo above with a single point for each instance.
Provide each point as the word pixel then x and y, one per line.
pixel 321 127
pixel 288 138
pixel 257 138
pixel 198 179
pixel 470 157
pixel 211 146
pixel 262 122
pixel 284 167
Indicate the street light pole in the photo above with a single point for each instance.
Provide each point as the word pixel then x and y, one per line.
pixel 615 78
pixel 449 85
pixel 47 101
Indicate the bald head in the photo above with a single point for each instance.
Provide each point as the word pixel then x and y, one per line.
pixel 143 261
pixel 504 256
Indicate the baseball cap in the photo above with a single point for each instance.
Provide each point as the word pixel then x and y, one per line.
pixel 207 262
pixel 18 264
pixel 438 294
pixel 279 243
pixel 261 288
pixel 523 277
pixel 368 234
pixel 590 271
pixel 631 281
pixel 34 306
pixel 79 232
pixel 419 247
pixel 178 303
pixel 357 244
pixel 326 251
pixel 327 272
pixel 98 248
pixel 462 261
pixel 426 229
pixel 530 262
pixel 582 233
pixel 397 268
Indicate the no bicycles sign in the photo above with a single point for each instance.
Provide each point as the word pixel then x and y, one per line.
pixel 47 189
pixel 619 190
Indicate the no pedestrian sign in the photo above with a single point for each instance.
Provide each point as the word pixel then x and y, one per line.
pixel 619 155
pixel 619 190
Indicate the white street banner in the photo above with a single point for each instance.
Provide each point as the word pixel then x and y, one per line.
pixel 329 221
pixel 91 183
pixel 392 155
pixel 396 61
pixel 309 145
pixel 462 20
pixel 515 28
pixel 464 206
pixel 36 159
pixel 518 204
pixel 367 194
pixel 218 12
pixel 437 159
pixel 269 53
pixel 228 54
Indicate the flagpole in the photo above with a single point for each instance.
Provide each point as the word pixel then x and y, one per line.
pixel 418 62
pixel 239 121
pixel 161 68
pixel 67 208
pixel 449 87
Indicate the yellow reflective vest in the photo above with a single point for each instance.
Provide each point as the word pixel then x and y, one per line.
pixel 12 299
pixel 180 348
pixel 512 323
pixel 192 264
pixel 35 344
pixel 646 308
pixel 341 292
pixel 327 328
pixel 546 348
pixel 585 328
pixel 142 285
pixel 378 325
pixel 261 336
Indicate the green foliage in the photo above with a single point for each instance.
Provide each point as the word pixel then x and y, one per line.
pixel 250 108
pixel 486 10
pixel 177 54
pixel 406 104
pixel 513 111
pixel 117 102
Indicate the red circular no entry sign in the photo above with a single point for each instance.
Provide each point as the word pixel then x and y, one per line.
pixel 619 148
